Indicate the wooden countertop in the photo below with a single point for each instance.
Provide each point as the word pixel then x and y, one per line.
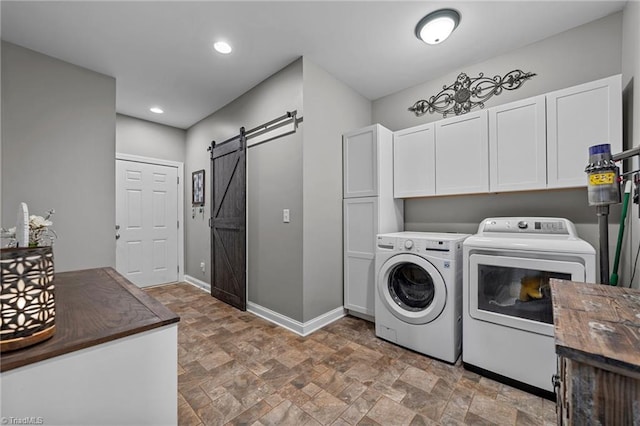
pixel 93 306
pixel 597 324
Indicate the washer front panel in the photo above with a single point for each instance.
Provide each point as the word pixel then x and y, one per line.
pixel 412 289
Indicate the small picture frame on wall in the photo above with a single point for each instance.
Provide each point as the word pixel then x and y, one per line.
pixel 197 189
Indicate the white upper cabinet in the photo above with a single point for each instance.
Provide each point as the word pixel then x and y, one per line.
pixel 360 167
pixel 536 143
pixel 577 118
pixel 368 162
pixel 462 154
pixel 517 146
pixel 414 172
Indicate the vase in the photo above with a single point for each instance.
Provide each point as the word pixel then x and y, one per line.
pixel 27 299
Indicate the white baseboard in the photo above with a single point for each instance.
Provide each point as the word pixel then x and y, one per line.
pixel 302 329
pixel 198 283
pixel 365 317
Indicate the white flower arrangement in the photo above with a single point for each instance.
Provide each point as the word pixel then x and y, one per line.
pixel 40 233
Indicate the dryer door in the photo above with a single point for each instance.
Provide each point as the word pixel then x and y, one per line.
pixel 514 291
pixel 412 289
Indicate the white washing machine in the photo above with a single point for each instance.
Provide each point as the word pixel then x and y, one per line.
pixel 507 309
pixel 418 297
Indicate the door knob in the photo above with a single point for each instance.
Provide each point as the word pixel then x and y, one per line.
pixel 117 236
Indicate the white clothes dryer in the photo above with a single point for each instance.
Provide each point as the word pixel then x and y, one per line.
pixel 418 297
pixel 507 309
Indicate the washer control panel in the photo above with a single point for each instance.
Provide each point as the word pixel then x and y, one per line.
pixel 412 245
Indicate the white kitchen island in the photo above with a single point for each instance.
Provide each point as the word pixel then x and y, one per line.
pixel 112 360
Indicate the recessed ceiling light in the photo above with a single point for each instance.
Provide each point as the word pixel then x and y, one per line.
pixel 156 110
pixel 222 47
pixel 437 26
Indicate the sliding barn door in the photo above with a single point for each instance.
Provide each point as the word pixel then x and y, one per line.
pixel 228 222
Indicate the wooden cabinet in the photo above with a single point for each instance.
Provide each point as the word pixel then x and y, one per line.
pixel 368 209
pixel 414 171
pixel 517 146
pixel 597 341
pixel 462 154
pixel 577 118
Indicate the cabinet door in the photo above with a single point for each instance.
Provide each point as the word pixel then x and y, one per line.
pixel 414 173
pixel 577 118
pixel 360 229
pixel 360 163
pixel 462 154
pixel 517 146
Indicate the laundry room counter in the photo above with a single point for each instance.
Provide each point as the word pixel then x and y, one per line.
pixel 114 346
pixel 597 340
pixel 93 306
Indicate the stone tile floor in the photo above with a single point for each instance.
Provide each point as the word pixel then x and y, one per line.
pixel 236 368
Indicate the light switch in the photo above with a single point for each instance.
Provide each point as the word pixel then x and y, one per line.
pixel 285 216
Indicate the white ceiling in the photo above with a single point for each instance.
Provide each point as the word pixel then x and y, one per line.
pixel 161 52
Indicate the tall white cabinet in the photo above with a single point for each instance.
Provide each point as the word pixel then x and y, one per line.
pixel 368 209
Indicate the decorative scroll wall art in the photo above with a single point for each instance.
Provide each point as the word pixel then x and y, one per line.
pixel 467 93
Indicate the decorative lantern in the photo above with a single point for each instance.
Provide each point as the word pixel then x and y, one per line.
pixel 27 298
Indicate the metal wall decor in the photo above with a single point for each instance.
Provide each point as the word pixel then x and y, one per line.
pixel 467 93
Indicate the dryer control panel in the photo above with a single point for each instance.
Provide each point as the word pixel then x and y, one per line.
pixel 527 225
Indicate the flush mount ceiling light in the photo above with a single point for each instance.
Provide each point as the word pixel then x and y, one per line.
pixel 222 47
pixel 437 26
pixel 156 110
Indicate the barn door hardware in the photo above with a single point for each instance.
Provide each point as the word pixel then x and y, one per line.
pixel 263 133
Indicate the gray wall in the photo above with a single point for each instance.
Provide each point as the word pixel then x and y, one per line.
pixel 294 268
pixel 582 54
pixel 274 173
pixel 58 148
pixel 274 183
pixel 585 53
pixel 147 139
pixel 331 109
pixel 631 86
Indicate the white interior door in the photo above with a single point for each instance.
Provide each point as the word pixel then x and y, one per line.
pixel 146 222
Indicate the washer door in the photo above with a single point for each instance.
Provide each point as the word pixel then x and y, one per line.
pixel 412 289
